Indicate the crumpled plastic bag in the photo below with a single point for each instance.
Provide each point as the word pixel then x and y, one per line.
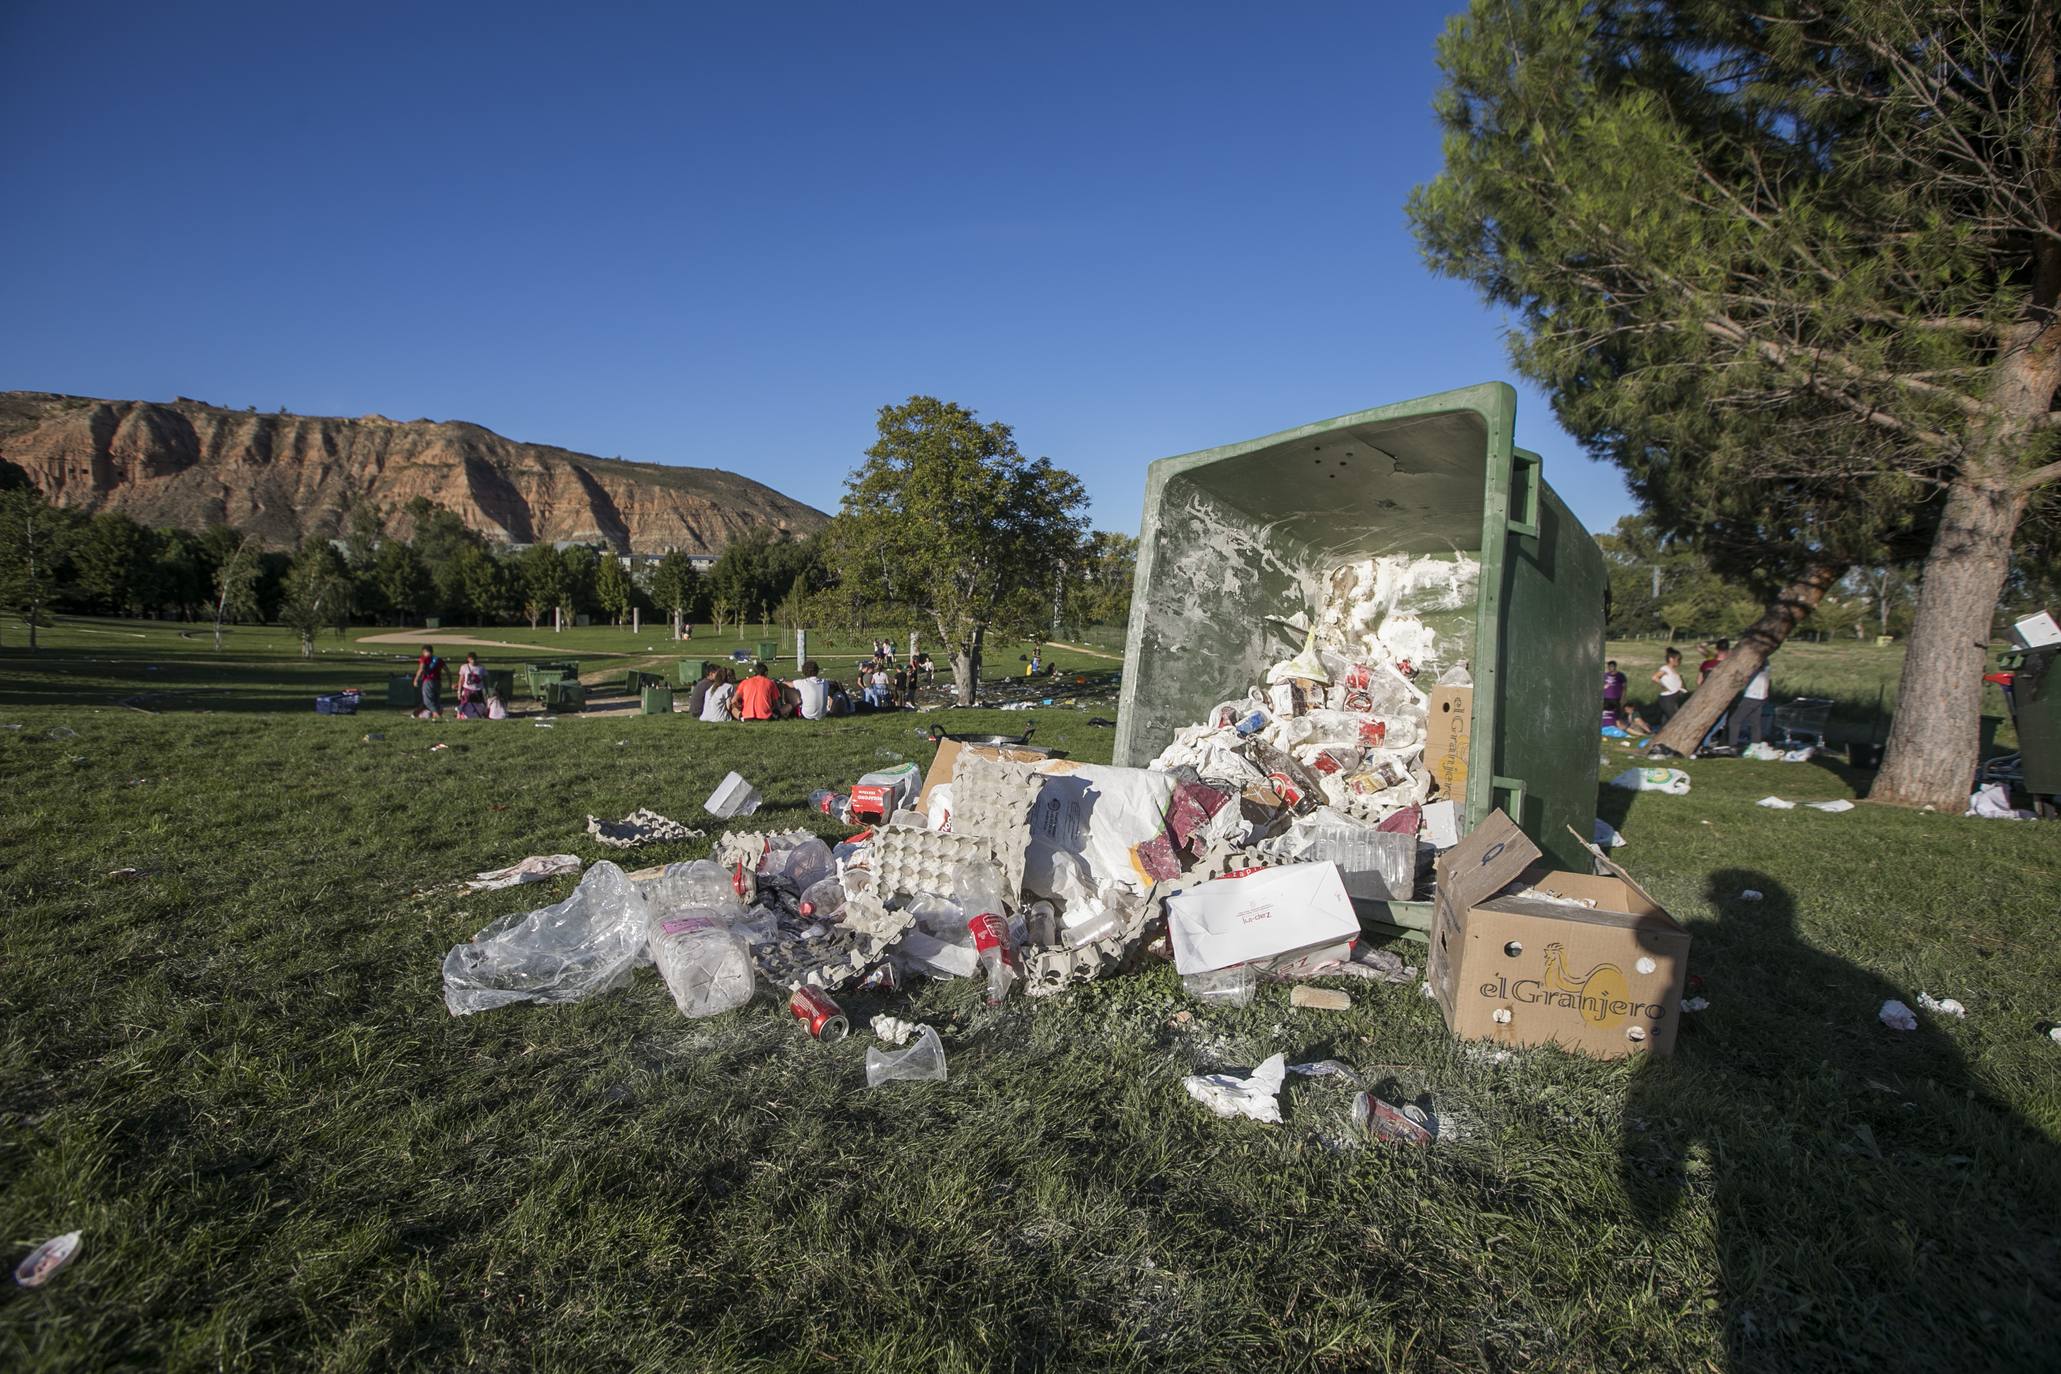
pixel 1897 1016
pixel 1257 1096
pixel 1994 803
pixel 567 952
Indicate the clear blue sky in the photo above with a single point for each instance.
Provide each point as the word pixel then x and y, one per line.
pixel 727 235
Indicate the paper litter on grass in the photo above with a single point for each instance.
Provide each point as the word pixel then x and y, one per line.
pixel 1897 1016
pixel 535 869
pixel 1945 1006
pixel 1834 806
pixel 1256 1095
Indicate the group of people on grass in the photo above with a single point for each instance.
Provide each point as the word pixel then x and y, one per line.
pixel 477 700
pixel 1741 723
pixel 721 694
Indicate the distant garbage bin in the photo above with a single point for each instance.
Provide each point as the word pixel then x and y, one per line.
pixel 658 700
pixel 769 649
pixel 401 691
pixel 1236 534
pixel 689 669
pixel 2036 709
pixel 501 682
pixel 564 694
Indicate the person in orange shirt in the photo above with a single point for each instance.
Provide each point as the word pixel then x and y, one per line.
pixel 758 695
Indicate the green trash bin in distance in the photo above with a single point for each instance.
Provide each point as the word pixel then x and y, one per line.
pixel 768 650
pixel 658 699
pixel 564 694
pixel 401 691
pixel 688 669
pixel 1232 535
pixel 2036 709
pixel 501 683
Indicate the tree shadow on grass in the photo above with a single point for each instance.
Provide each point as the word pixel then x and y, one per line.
pixel 1874 1204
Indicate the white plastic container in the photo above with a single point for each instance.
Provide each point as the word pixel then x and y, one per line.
pixel 733 797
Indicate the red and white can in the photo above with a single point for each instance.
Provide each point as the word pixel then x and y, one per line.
pixel 814 1009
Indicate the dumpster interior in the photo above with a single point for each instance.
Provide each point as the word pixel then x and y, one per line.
pixel 1246 540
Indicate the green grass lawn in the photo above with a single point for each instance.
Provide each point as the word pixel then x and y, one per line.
pixel 234 1072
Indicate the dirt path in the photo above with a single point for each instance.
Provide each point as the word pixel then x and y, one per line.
pixel 467 641
pixel 1084 649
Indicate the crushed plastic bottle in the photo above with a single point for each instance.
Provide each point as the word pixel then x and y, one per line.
pixel 699 883
pixel 823 900
pixel 832 803
pixel 978 885
pixel 805 865
pixel 706 964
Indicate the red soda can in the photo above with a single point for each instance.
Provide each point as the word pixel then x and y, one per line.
pixel 814 1009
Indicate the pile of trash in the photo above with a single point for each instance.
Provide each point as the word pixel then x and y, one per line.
pixel 1237 853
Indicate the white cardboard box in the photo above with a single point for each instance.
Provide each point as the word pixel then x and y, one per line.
pixel 1266 912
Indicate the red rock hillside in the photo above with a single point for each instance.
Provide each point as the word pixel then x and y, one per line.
pixel 189 465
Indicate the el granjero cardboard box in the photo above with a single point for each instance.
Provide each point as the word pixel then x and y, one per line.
pixel 1605 980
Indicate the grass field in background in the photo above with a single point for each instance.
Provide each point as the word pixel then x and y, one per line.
pixel 234 1072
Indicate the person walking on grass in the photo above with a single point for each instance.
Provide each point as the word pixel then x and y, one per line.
pixel 429 677
pixel 472 689
pixel 1669 676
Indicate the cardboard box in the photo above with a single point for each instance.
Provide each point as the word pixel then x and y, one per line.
pixel 1603 980
pixel 948 751
pixel 1447 733
pixel 1285 909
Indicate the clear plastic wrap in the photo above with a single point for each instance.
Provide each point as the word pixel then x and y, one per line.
pixel 565 952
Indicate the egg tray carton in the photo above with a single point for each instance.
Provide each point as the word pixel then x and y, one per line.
pixel 1049 969
pixel 907 861
pixel 994 798
pixel 1225 857
pixel 747 847
pixel 831 960
pixel 872 926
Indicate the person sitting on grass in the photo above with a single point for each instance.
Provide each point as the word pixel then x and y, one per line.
pixel 879 690
pixel 497 709
pixel 429 676
pixel 697 696
pixel 812 691
pixel 715 702
pixel 840 702
pixel 757 696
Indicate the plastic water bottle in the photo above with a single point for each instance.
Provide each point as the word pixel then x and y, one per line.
pixel 805 865
pixel 978 886
pixel 823 900
pixel 832 803
pixel 706 965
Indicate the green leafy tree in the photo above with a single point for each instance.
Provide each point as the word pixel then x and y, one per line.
pixel 948 526
pixel 33 536
pixel 540 572
pixel 402 580
pixel 113 563
pixel 317 594
pixel 582 575
pixel 1099 582
pixel 612 588
pixel 480 585
pixel 1834 230
pixel 676 586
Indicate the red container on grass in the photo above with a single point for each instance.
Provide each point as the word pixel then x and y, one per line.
pixel 814 1009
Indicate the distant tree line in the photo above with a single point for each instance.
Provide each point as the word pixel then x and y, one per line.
pixel 422 561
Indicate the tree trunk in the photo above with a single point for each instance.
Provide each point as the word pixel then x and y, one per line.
pixel 1762 638
pixel 962 674
pixel 1930 758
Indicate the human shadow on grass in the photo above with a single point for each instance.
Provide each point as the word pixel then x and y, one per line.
pixel 1874 1204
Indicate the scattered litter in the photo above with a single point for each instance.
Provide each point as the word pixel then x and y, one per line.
pixel 640 827
pixel 535 869
pixel 61 732
pixel 922 1062
pixel 1256 1095
pixel 1694 1004
pixel 1379 965
pixel 1751 894
pixel 1318 999
pixel 435 747
pixel 1993 802
pixel 565 952
pixel 1407 1124
pixel 1776 804
pixel 544 724
pixel 1606 835
pixel 45 1260
pixel 893 1029
pixel 733 797
pixel 2051 1031
pixel 1897 1016
pixel 1945 1006
pixel 1672 781
pixel 373 737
